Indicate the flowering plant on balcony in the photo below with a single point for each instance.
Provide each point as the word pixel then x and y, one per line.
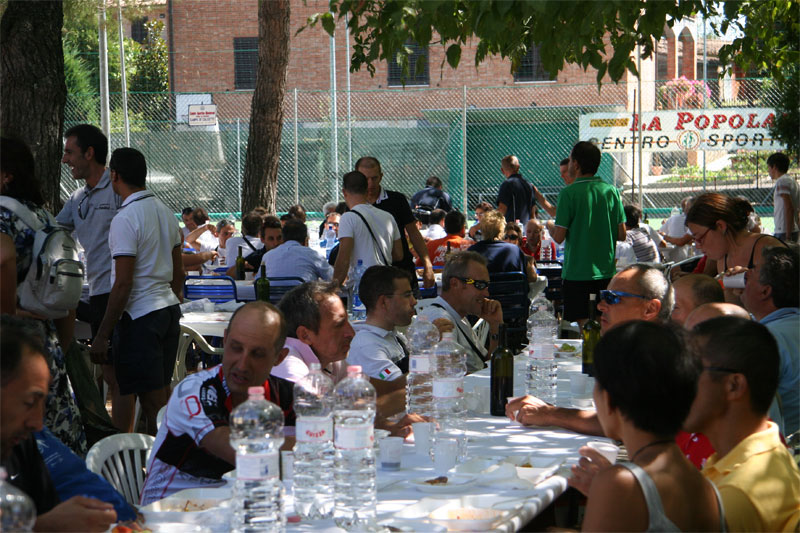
pixel 681 92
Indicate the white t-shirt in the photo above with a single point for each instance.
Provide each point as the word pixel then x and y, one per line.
pixel 377 351
pixel 233 244
pixel 207 242
pixel 435 231
pixel 383 227
pixel 785 185
pixel 145 229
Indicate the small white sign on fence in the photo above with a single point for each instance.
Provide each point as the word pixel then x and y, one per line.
pixel 202 115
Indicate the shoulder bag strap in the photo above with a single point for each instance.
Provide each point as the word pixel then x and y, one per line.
pixel 377 244
pixel 249 243
pixel 466 336
pixel 26 215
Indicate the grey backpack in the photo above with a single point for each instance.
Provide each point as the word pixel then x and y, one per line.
pixel 52 287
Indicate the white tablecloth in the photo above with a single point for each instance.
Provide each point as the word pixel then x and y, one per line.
pixel 207 324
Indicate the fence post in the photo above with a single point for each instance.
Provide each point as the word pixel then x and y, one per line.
pixel 464 149
pixel 239 161
pixel 296 170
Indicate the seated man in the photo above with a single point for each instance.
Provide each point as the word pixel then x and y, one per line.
pixel 192 448
pixel 692 291
pixel 465 291
pixel 455 227
pixel 317 331
pixel 756 476
pixel 500 256
pixel 249 241
pixel 532 243
pixel 436 225
pixel 772 295
pixel 294 257
pixel 639 239
pixel 639 292
pixel 270 238
pixel 377 347
pixel 24 382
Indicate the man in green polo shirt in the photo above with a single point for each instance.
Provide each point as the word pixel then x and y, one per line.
pixel 590 217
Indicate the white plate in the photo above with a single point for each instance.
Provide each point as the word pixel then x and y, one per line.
pixel 412 526
pixel 467 518
pixel 455 483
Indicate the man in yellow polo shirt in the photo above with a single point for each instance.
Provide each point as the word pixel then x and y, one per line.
pixel 590 218
pixel 756 476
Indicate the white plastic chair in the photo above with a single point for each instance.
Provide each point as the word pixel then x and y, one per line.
pixel 160 416
pixel 121 460
pixel 187 336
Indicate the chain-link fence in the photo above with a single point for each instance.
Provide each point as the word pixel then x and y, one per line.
pixel 459 135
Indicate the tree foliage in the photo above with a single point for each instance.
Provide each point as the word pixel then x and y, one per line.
pixel 602 35
pixel 787 113
pixel 150 75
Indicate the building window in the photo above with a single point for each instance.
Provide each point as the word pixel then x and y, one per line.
pixel 530 69
pixel 419 54
pixel 245 62
pixel 139 30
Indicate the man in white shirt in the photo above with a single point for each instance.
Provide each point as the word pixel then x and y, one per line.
pixel 377 347
pixel 365 232
pixel 465 291
pixel 436 227
pixel 147 279
pixel 249 241
pixel 786 198
pixel 203 237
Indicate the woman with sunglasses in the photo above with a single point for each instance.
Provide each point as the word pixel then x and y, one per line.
pixel 501 256
pixel 718 224
pixel 645 383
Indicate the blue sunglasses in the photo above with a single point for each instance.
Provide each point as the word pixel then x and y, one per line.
pixel 614 297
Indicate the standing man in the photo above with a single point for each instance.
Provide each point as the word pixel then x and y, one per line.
pixel 515 198
pixel 365 232
pixel 547 206
pixel 785 199
pixel 147 278
pixel 590 218
pixel 88 213
pixel 396 204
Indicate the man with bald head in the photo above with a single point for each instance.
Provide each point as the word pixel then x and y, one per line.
pixel 713 310
pixel 640 292
pixel 692 291
pixel 192 448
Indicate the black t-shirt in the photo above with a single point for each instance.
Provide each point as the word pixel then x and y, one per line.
pixel 26 470
pixel 397 205
pixel 517 195
pixel 433 198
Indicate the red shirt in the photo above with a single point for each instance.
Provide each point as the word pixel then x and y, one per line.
pixel 537 255
pixel 438 247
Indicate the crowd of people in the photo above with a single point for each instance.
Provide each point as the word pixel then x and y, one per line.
pixel 699 380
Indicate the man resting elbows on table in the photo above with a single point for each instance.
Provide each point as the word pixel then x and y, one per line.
pixel 192 448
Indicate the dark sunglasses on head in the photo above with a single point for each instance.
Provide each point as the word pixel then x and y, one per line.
pixel 614 297
pixel 479 284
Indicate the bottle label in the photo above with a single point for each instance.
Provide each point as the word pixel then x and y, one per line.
pixel 419 363
pixel 354 437
pixel 314 429
pixel 448 387
pixel 254 466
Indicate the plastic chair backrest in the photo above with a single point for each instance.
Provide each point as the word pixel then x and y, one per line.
pixel 122 460
pixel 511 290
pixel 215 288
pixel 187 336
pixel 280 285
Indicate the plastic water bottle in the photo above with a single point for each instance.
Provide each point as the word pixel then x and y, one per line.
pixel 17 512
pixel 357 309
pixel 330 240
pixel 313 452
pixel 449 366
pixel 257 434
pixel 354 464
pixel 422 336
pixel 546 254
pixel 560 253
pixel 542 369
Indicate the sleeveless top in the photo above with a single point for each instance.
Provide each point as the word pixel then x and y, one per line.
pixel 658 520
pixel 752 251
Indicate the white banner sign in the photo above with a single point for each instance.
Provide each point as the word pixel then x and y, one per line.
pixel 741 128
pixel 202 115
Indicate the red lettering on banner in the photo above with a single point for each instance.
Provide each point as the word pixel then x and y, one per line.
pixel 683 118
pixel 655 124
pixel 750 121
pixel 739 118
pixel 768 121
pixel 701 119
pixel 635 122
pixel 718 119
pixel 194 409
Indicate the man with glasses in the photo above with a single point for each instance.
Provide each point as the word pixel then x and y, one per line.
pixel 757 478
pixel 377 347
pixel 640 292
pixel 465 292
pixel 88 213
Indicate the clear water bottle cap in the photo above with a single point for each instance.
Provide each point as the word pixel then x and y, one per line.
pixel 449 335
pixel 255 391
pixel 314 366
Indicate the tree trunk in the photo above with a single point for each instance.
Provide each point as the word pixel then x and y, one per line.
pixel 33 90
pixel 260 183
